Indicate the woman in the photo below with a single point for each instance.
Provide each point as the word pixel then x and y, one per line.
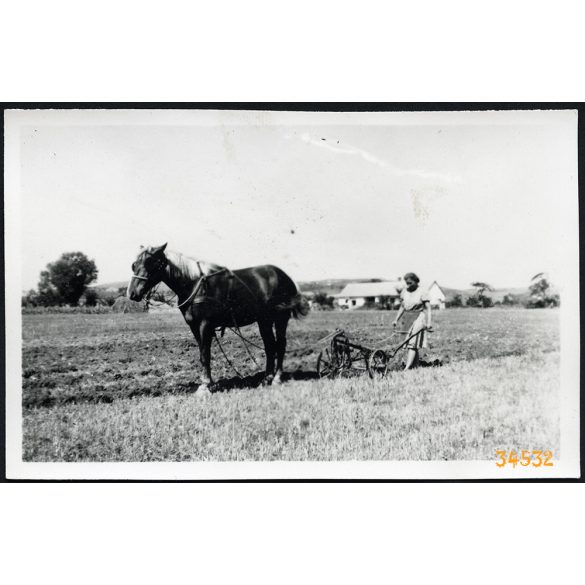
pixel 417 308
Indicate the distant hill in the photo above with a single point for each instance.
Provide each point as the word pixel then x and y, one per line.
pixel 117 289
pixel 334 286
pixel 498 294
pixel 330 287
pixel 110 286
pixel 519 294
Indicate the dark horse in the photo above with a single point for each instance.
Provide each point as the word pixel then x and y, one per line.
pixel 212 296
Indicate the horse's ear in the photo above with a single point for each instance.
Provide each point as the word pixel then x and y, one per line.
pixel 142 247
pixel 160 249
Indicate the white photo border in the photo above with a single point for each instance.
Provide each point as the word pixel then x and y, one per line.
pixel 568 466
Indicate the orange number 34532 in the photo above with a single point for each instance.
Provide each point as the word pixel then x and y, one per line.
pixel 527 458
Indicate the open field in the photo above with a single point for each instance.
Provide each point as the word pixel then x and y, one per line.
pixel 121 388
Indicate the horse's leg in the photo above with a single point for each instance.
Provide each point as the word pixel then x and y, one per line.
pixel 197 335
pixel 269 347
pixel 206 338
pixel 280 325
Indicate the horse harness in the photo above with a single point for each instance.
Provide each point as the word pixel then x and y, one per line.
pixel 201 283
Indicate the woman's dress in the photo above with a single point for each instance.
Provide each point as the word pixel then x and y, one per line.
pixel 414 316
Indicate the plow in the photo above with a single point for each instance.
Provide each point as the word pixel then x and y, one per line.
pixel 346 358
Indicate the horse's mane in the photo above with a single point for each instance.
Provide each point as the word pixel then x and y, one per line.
pixel 188 266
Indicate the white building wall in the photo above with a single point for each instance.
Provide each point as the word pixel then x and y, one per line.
pixel 436 297
pixel 354 303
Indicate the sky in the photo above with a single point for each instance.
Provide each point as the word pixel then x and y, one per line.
pixel 455 197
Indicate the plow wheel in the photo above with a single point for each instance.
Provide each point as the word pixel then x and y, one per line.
pixel 395 360
pixel 353 365
pixel 377 363
pixel 326 367
pixel 345 362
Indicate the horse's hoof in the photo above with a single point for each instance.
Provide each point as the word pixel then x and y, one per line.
pixel 203 391
pixel 268 381
pixel 277 381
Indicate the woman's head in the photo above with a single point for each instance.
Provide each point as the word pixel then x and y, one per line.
pixel 411 280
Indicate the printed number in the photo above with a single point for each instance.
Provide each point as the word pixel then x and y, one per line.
pixel 502 456
pixel 505 458
pixel 547 458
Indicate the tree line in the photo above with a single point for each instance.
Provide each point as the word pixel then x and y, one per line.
pixel 65 281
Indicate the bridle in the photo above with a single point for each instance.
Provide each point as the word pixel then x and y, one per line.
pixel 158 268
pixel 200 282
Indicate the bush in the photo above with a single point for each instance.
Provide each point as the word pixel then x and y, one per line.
pixel 91 297
pixel 540 297
pixel 385 303
pixel 323 300
pixel 30 299
pixel 550 301
pixel 482 301
pixel 472 301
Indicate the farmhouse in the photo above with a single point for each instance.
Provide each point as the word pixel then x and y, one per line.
pixel 387 293
pixel 358 294
pixel 436 296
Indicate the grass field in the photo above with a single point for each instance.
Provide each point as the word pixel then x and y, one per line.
pixel 122 388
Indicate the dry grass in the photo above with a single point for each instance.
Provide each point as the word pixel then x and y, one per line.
pixel 466 410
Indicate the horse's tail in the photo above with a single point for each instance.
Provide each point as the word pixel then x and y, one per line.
pixel 298 306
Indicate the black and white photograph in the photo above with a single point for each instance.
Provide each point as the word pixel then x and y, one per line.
pixel 304 294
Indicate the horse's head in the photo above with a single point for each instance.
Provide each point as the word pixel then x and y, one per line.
pixel 148 270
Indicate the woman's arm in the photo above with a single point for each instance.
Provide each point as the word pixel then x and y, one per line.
pixel 399 316
pixel 428 313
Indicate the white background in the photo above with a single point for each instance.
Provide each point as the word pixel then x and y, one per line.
pixel 374 51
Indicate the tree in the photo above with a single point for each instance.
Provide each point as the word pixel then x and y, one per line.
pixel 456 301
pixel 481 287
pixel 48 295
pixel 480 299
pixel 65 280
pixel 539 292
